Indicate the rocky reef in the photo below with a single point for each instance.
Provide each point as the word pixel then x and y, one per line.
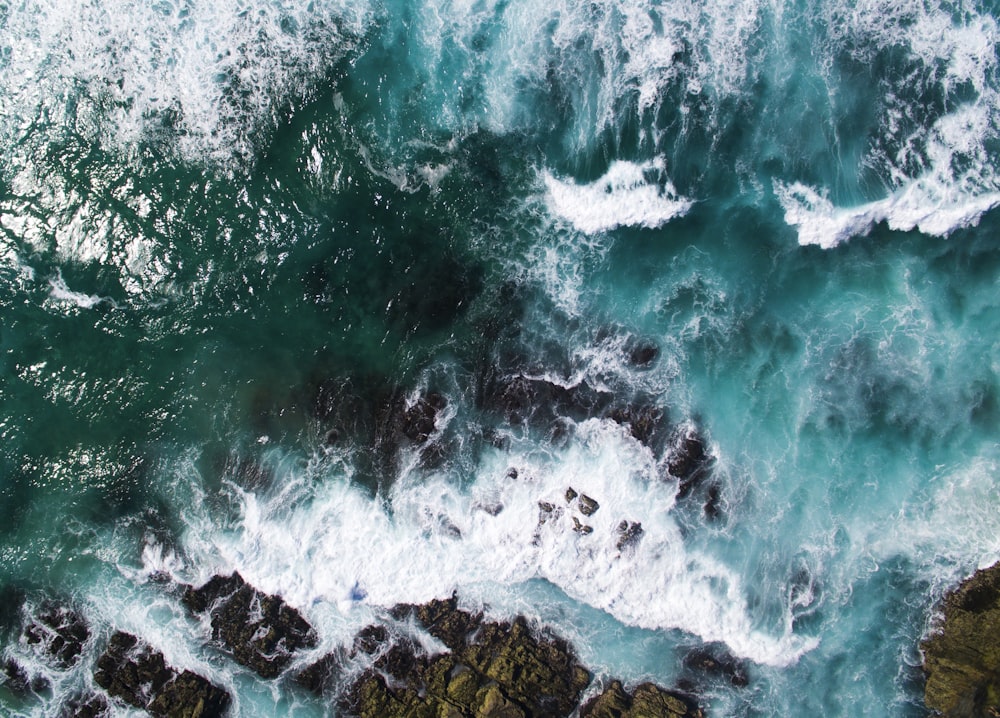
pixel 137 674
pixel 261 631
pixel 645 701
pixel 962 654
pixel 490 670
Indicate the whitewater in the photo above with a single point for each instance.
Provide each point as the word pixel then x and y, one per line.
pixel 243 243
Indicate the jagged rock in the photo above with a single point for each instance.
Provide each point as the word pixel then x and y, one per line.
pixel 642 354
pixel 688 459
pixel 646 701
pixel 496 670
pixel 18 680
pixel 962 655
pixel 418 421
pixel 91 705
pixel 712 500
pixel 582 528
pixel 643 422
pixel 444 620
pixel 320 675
pixel 521 399
pixel 59 632
pixel 260 630
pixel 588 506
pixel 629 533
pixel 718 662
pixel 570 495
pixel 134 672
pixel 369 639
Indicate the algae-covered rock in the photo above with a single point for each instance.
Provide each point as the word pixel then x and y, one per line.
pixel 962 656
pixel 260 630
pixel 134 672
pixel 492 670
pixel 647 700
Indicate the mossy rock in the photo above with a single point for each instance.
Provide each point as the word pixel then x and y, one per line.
pixel 260 630
pixel 647 700
pixel 962 656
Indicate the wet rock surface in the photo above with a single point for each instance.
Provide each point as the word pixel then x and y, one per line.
pixel 490 670
pixel 644 701
pixel 962 656
pixel 91 705
pixel 135 673
pixel 59 632
pixel 688 459
pixel 261 631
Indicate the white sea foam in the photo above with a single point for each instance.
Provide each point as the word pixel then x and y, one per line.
pixel 924 204
pixel 942 175
pixel 627 195
pixel 129 70
pixel 428 537
pixel 60 292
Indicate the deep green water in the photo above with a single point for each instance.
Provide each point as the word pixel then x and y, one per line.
pixel 228 229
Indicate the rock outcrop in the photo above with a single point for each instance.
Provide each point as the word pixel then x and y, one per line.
pixel 261 631
pixel 962 656
pixel 499 670
pixel 490 670
pixel 135 673
pixel 645 701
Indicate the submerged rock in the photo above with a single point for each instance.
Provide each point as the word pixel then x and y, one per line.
pixel 90 705
pixel 647 700
pixel 59 632
pixel 688 459
pixel 261 631
pixel 628 533
pixel 717 661
pixel 962 656
pixel 644 422
pixel 135 673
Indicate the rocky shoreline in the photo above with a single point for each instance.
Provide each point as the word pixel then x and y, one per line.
pixel 962 653
pixel 480 668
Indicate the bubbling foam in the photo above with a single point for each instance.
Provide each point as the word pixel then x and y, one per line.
pixel 427 537
pixel 627 195
pixel 208 74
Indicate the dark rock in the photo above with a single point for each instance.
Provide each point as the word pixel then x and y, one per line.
pixel 688 460
pixel 645 701
pixel 588 506
pixel 260 630
pixel 643 354
pixel 962 654
pixel 629 534
pixel 570 495
pixel 718 662
pixel 499 670
pixel 60 633
pixel 369 639
pixel 91 705
pixel 320 676
pixel 19 681
pixel 135 673
pixel 582 528
pixel 418 421
pixel 512 473
pixel 712 500
pixel 645 423
pixel 520 399
pixel 444 620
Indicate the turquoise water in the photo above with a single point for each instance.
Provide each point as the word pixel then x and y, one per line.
pixel 230 229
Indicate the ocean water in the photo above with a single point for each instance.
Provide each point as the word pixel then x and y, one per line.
pixel 236 236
